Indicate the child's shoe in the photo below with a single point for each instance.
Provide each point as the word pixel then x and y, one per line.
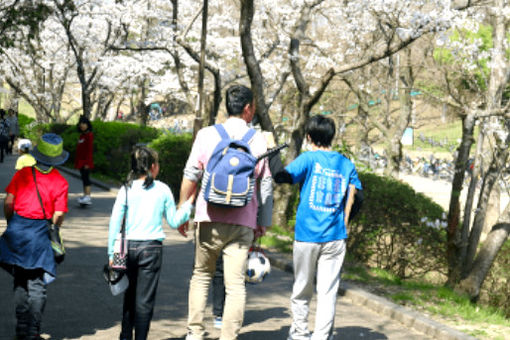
pixel 218 322
pixel 86 200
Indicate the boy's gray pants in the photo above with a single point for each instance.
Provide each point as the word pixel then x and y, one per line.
pixel 324 260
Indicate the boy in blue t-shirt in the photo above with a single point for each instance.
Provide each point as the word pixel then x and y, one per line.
pixel 328 183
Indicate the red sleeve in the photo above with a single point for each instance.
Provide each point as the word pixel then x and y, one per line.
pixel 61 196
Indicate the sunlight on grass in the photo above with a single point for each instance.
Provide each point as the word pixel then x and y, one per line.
pixel 436 299
pixel 279 239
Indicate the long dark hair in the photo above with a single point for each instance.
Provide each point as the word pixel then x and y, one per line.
pixel 85 120
pixel 142 159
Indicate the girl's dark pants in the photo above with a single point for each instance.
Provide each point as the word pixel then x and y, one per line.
pixel 85 176
pixel 29 301
pixel 143 269
pixel 218 288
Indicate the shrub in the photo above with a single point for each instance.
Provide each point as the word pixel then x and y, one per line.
pixel 113 142
pixel 496 289
pixel 25 125
pixel 398 229
pixel 173 152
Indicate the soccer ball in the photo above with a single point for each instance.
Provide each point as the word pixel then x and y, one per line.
pixel 258 266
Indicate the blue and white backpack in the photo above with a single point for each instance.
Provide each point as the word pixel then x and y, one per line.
pixel 229 176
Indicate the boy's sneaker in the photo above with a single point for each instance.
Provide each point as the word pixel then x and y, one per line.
pixel 218 322
pixel 85 200
pixel 190 336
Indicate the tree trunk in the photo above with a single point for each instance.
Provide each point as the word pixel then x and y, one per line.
pixel 457 239
pixel 493 210
pixel 393 150
pixel 497 83
pixel 143 113
pixel 13 102
pixel 253 66
pixel 281 195
pixel 486 256
pixel 489 180
pixel 473 184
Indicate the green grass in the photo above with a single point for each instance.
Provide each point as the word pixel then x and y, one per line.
pixel 448 133
pixel 433 298
pixel 278 238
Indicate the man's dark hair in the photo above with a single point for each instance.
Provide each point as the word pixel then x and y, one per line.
pixel 237 97
pixel 321 130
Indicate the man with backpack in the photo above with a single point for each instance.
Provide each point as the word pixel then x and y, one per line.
pixel 233 208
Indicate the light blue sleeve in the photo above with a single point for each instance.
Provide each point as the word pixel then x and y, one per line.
pixel 116 219
pixel 173 216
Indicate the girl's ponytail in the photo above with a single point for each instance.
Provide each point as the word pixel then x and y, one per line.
pixel 142 159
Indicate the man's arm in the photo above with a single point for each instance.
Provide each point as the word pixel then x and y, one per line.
pixel 188 190
pixel 280 175
pixel 9 206
pixel 265 207
pixel 348 204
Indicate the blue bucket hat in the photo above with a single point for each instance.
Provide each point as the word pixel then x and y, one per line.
pixel 49 150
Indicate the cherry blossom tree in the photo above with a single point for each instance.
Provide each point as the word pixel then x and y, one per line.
pixel 322 40
pixel 20 19
pixel 39 70
pixel 474 264
pixel 475 69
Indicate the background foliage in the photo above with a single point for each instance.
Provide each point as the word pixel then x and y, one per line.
pixel 173 152
pixel 397 229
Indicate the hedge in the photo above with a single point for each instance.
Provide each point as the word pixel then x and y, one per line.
pixel 398 229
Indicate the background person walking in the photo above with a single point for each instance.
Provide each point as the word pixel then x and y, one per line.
pixel 148 201
pixel 25 249
pixel 84 160
pixel 12 118
pixel 25 158
pixel 4 135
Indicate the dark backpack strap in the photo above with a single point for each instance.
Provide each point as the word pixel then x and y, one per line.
pixel 248 136
pixel 221 130
pixel 123 226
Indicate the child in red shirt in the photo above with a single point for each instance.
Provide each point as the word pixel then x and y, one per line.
pixel 25 248
pixel 83 159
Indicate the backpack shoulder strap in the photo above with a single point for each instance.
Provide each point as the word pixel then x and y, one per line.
pixel 221 130
pixel 248 136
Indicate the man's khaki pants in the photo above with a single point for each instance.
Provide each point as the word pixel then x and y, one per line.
pixel 210 240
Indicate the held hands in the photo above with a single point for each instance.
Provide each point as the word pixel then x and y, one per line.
pixel 259 232
pixel 183 229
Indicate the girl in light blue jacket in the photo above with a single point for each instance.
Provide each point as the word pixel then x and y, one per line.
pixel 148 201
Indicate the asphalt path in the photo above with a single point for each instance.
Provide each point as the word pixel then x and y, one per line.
pixel 80 305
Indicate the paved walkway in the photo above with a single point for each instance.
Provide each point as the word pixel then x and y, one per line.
pixel 80 305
